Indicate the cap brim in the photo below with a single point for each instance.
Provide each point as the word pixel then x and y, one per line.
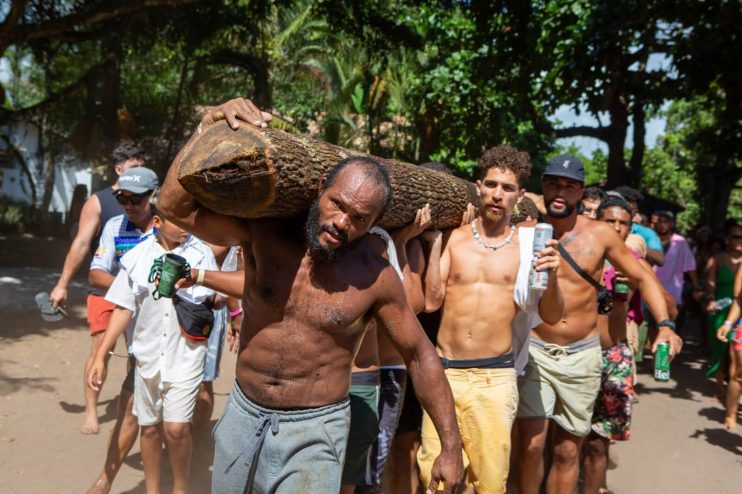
pixel 135 190
pixel 564 175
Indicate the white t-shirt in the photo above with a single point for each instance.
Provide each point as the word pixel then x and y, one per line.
pixel 157 341
pixel 526 299
pixel 119 236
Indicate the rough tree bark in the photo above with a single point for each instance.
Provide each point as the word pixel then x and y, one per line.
pixel 256 173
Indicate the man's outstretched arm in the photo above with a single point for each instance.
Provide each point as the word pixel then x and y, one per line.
pixel 79 250
pixel 652 293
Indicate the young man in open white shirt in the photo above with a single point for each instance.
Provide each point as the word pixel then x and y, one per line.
pixel 169 365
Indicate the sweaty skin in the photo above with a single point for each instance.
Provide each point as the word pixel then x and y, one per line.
pixel 476 282
pixel 307 316
pixel 590 243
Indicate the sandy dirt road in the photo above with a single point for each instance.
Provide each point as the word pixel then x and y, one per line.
pixel 678 443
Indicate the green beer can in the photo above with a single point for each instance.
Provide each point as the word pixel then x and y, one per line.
pixel 621 288
pixel 662 363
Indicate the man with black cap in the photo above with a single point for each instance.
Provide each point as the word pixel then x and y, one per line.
pixel 562 378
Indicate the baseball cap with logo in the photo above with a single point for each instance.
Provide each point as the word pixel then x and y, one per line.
pixel 567 166
pixel 138 180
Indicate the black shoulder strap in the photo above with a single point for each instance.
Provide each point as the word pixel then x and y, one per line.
pixel 577 268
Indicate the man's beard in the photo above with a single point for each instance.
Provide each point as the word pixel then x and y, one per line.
pixel 568 210
pixel 313 230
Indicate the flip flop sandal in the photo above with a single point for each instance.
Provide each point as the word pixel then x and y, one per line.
pixel 49 313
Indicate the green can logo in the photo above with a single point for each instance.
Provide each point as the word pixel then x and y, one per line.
pixel 662 363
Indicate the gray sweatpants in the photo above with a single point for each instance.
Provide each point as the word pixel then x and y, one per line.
pixel 261 451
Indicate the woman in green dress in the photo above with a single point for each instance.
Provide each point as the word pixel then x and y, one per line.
pixel 720 273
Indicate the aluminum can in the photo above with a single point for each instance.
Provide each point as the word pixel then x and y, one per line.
pixel 662 363
pixel 543 232
pixel 621 288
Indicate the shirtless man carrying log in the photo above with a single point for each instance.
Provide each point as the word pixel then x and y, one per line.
pixel 310 296
pixel 562 377
pixel 483 275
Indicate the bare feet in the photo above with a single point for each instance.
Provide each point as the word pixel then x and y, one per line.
pixel 101 486
pixel 730 423
pixel 90 425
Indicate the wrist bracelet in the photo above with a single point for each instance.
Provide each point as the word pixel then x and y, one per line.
pixel 236 312
pixel 729 323
pixel 201 276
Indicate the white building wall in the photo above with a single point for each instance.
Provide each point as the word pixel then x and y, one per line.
pixel 67 174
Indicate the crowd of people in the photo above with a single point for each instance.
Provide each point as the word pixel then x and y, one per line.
pixel 397 362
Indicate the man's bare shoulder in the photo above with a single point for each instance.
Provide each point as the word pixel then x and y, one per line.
pixel 370 251
pixel 376 243
pixel 459 236
pixel 600 231
pixel 585 227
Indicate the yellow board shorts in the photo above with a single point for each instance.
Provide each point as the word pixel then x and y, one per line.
pixel 486 403
pixel 561 383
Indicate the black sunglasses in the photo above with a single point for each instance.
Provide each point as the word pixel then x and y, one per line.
pixel 135 199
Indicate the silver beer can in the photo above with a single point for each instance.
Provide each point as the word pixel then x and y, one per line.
pixel 543 232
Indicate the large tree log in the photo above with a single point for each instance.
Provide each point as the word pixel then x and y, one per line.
pixel 259 173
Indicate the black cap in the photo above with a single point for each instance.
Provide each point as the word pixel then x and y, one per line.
pixel 666 214
pixel 567 166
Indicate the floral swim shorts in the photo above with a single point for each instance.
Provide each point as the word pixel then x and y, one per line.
pixel 612 414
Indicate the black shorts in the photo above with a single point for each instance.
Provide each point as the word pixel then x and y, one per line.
pixel 411 418
pixel 128 384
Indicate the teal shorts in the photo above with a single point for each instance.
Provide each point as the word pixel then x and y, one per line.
pixel 364 427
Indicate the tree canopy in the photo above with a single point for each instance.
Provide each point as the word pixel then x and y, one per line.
pixel 414 80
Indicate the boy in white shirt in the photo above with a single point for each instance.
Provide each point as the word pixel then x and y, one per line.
pixel 169 345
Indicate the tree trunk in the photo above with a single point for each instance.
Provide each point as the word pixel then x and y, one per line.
pixel 718 186
pixel 258 173
pixel 637 151
pixel 616 140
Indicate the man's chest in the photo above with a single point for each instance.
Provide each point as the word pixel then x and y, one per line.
pixel 475 264
pixel 586 251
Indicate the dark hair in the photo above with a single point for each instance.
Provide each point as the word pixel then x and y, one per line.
pixel 630 193
pixel 615 202
pixel 153 199
pixel 523 210
pixel 506 158
pixel 594 193
pixel 126 152
pixel 436 166
pixel 730 224
pixel 372 168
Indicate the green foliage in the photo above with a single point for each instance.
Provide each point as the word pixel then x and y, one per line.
pixel 419 81
pixel 672 179
pixel 14 217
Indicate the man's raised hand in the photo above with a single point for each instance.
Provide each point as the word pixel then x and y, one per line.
pixel 415 227
pixel 549 258
pixel 235 111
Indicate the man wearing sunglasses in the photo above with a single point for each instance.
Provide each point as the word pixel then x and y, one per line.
pixel 118 236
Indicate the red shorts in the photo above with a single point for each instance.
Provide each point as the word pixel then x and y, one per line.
pixel 99 313
pixel 737 343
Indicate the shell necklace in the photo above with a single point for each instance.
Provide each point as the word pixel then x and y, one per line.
pixel 502 244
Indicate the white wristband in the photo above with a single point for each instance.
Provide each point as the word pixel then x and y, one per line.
pixel 200 277
pixel 729 323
